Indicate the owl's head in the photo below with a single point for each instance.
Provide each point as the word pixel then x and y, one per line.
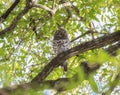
pixel 60 34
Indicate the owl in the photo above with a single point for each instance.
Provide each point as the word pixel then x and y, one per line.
pixel 61 43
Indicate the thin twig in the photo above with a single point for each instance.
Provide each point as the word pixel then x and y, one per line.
pixel 68 17
pixel 78 13
pixel 53 4
pixel 80 36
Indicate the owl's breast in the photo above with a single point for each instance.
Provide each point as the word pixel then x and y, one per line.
pixel 61 45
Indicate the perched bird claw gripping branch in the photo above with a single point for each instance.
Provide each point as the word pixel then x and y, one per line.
pixel 61 43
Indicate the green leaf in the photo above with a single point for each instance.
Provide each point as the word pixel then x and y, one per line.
pixel 93 83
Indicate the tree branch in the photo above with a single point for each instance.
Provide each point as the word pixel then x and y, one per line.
pixel 29 5
pixel 15 20
pixel 113 49
pixel 6 14
pixel 78 13
pixel 90 45
pixel 53 4
pixel 68 17
pixel 44 8
pixel 52 11
pixel 58 83
pixel 88 32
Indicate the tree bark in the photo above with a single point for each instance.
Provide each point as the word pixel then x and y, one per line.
pixel 6 14
pixel 90 45
pixel 58 84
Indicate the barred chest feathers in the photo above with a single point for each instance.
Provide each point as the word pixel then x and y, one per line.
pixel 61 45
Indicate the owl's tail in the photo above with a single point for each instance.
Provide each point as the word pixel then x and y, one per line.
pixel 65 66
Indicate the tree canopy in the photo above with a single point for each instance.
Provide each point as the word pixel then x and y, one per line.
pixel 28 65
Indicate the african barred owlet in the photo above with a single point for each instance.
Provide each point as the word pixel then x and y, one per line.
pixel 61 43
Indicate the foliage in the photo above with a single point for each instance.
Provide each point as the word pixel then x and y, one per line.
pixel 25 50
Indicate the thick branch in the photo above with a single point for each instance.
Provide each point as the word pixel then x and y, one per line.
pixel 90 45
pixel 55 84
pixel 6 14
pixel 113 49
pixel 60 84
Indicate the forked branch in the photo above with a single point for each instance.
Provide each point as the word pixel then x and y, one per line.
pixel 52 11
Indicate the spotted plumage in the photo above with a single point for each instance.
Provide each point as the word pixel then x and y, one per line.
pixel 61 43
